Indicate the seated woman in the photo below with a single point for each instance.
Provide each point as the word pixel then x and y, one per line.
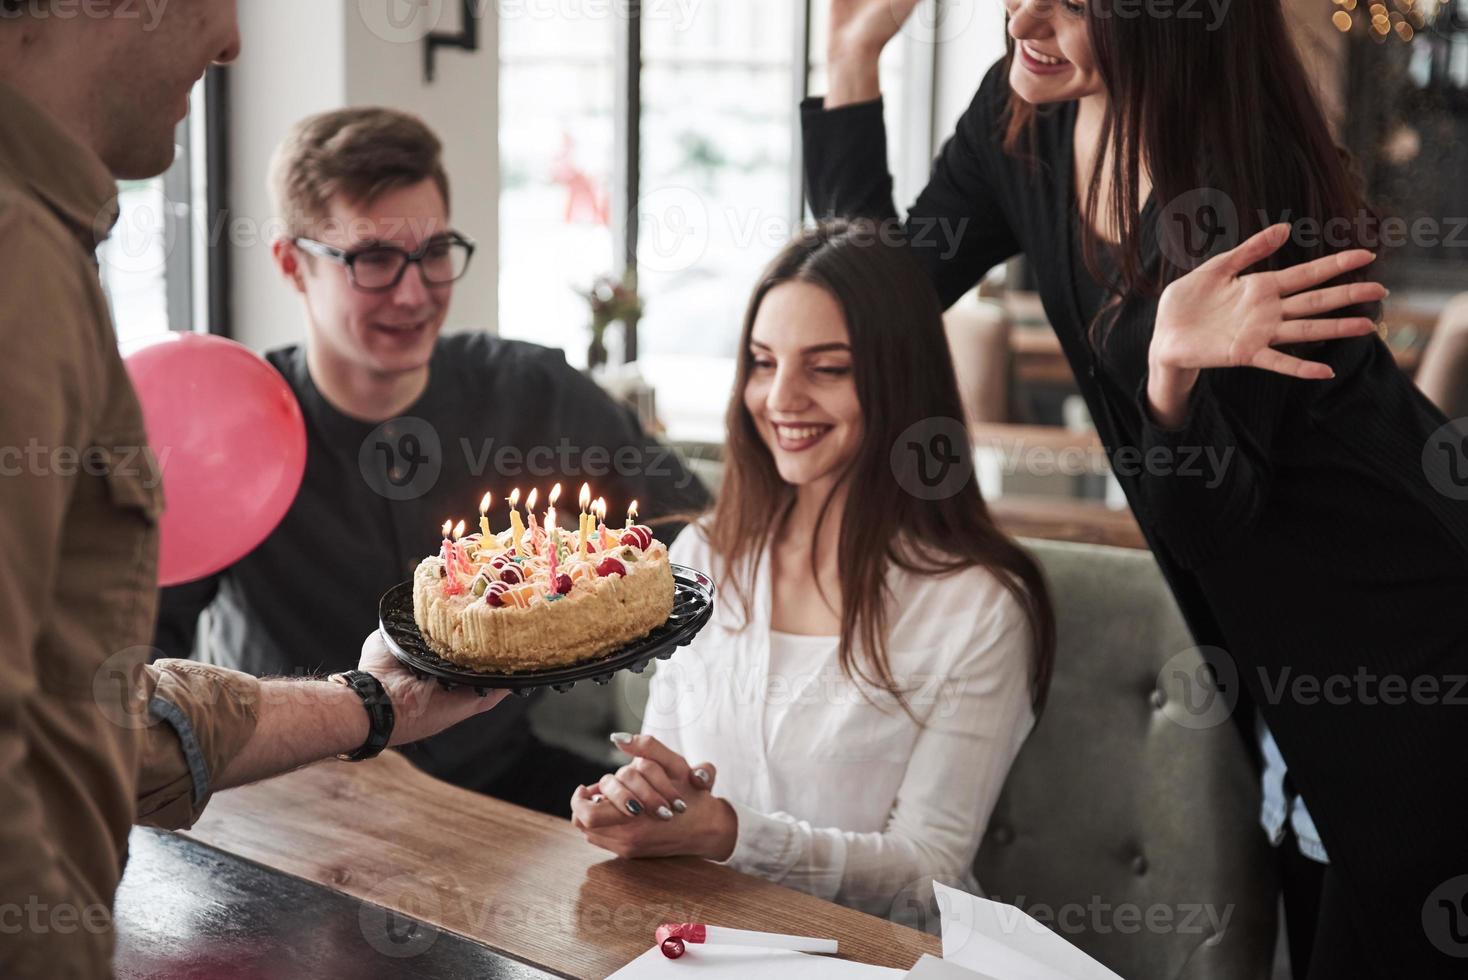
pixel 879 649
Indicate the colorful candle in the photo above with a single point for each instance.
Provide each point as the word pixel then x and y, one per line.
pixel 484 535
pixel 534 530
pixel 584 530
pixel 517 527
pixel 601 517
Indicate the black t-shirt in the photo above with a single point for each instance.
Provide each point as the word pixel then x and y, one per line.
pixel 496 414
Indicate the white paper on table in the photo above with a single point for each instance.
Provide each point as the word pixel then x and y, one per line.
pixel 1007 943
pixel 932 968
pixel 742 962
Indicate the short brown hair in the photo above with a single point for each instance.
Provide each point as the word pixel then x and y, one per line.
pixel 356 154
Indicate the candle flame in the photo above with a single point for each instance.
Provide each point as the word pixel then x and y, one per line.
pixel 555 494
pixel 632 512
pixel 585 496
pixel 458 530
pixel 530 500
pixel 514 498
pixel 484 504
pixel 601 508
pixel 448 527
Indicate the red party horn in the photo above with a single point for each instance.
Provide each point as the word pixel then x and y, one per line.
pixel 671 937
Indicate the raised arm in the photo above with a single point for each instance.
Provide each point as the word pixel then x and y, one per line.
pixel 957 227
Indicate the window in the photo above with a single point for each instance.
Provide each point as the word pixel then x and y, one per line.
pixel 158 268
pixel 557 144
pixel 714 187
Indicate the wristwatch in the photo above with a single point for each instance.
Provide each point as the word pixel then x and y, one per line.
pixel 379 713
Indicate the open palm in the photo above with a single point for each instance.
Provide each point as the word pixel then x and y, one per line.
pixel 1219 315
pixel 867 25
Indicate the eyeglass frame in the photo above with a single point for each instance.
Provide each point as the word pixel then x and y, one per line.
pixel 348 258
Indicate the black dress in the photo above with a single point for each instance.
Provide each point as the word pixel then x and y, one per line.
pixel 1322 547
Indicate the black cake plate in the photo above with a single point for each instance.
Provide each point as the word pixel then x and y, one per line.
pixel 693 605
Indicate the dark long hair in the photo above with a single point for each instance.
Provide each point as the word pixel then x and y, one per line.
pixel 904 376
pixel 1227 107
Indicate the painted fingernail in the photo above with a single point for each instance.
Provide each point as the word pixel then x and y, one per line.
pixel 633 807
pixel 702 775
pixel 680 806
pixel 665 813
pixel 621 738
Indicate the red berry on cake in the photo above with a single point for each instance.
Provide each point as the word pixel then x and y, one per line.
pixel 494 595
pixel 511 574
pixel 638 535
pixel 611 566
pixel 563 584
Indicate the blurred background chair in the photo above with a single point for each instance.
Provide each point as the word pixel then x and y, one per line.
pixel 1130 821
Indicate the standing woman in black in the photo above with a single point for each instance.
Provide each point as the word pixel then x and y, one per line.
pixel 1332 544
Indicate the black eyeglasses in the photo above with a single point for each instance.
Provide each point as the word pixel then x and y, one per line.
pixel 379 268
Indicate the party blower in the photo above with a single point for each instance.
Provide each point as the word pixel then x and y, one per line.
pixel 671 937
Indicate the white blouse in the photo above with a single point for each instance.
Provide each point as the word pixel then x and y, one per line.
pixel 836 796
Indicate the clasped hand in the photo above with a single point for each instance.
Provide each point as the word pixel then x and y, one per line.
pixel 655 806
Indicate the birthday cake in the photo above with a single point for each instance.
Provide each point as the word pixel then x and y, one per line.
pixel 538 596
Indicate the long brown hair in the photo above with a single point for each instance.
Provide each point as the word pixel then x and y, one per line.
pixel 1225 105
pixel 904 376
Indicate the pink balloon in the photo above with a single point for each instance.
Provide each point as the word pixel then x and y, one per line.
pixel 231 442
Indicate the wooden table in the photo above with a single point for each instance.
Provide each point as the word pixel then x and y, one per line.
pixel 521 882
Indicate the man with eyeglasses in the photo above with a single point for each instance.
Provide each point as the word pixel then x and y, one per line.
pixel 406 429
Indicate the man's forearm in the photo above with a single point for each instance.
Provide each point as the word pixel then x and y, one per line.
pixel 300 722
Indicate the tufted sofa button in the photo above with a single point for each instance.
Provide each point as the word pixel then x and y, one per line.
pixel 1139 865
pixel 1003 835
pixel 1158 699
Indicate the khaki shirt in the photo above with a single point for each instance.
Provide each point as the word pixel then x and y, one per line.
pixel 91 739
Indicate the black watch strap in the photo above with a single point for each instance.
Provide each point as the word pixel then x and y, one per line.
pixel 380 716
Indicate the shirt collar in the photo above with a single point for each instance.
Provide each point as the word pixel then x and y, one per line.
pixel 36 153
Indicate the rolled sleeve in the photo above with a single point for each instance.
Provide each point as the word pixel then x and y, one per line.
pixel 203 717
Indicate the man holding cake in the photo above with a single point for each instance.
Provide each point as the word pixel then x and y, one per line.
pixel 92 739
pixel 405 429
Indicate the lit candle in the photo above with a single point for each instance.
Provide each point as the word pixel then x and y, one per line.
pixel 601 530
pixel 452 586
pixel 585 527
pixel 517 526
pixel 553 538
pixel 484 535
pixel 631 515
pixel 530 515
